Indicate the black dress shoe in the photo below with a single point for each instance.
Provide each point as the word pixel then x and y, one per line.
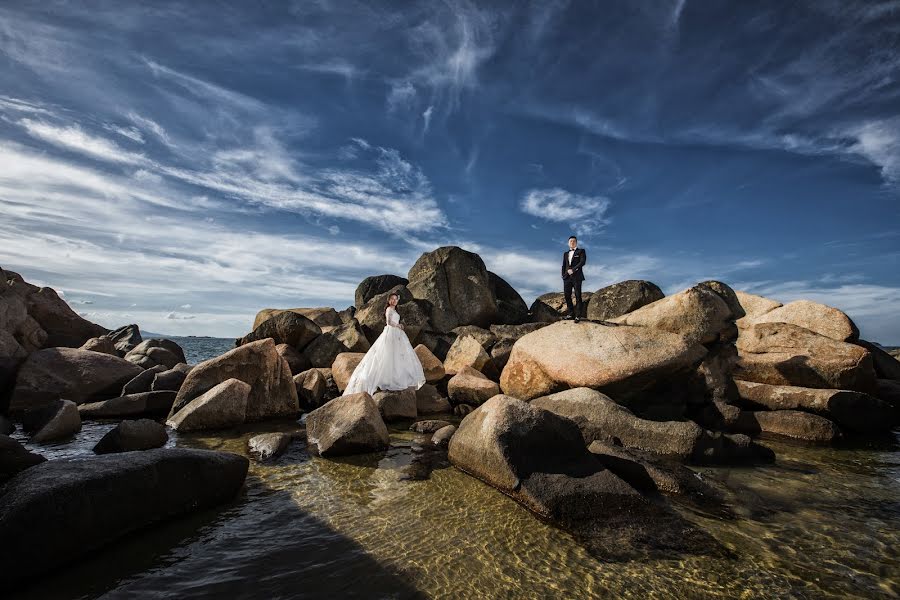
pixel 577 319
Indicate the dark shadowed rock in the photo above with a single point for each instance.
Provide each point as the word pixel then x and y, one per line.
pixel 511 309
pixel 128 436
pixel 70 373
pixel 285 327
pixel 156 351
pixel 456 284
pixel 297 361
pixel 169 381
pixel 272 390
pixel 429 401
pixel 888 390
pixel 64 327
pixel 428 426
pixel 225 405
pixel 500 353
pixel 60 510
pixel 14 458
pixel 347 425
pixel 622 298
pixel 600 418
pixel 397 405
pixel 372 286
pixel 789 423
pixel 323 316
pixel 551 307
pixel 125 338
pixel 130 406
pixel 886 366
pixel 143 380
pixel 324 349
pixel 311 387
pixel 100 344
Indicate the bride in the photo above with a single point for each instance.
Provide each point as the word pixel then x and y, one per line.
pixel 391 363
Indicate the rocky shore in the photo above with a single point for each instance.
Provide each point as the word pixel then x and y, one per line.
pixel 593 426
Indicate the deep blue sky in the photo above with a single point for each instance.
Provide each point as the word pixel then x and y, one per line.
pixel 185 165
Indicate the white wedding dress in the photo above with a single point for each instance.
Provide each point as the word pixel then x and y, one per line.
pixel 390 364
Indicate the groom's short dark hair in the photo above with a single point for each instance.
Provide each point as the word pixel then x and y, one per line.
pixel 572 237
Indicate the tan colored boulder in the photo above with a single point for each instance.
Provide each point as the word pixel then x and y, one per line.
pixel 466 352
pixel 347 425
pixel 70 373
pixel 396 405
pixel 794 424
pixel 698 314
pixel 853 410
pixel 272 390
pixel 471 387
pixel 485 337
pixel 754 306
pixel 351 335
pixel 224 405
pixel 787 354
pixel 100 344
pixel 619 360
pixel 433 367
pixel 344 365
pixel 622 298
pixel 824 320
pixel 600 419
pixel 311 387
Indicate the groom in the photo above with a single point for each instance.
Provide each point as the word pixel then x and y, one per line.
pixel 573 261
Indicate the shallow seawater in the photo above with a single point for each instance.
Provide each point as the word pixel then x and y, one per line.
pixel 820 523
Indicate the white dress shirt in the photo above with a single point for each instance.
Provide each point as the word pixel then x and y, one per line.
pixel 571 254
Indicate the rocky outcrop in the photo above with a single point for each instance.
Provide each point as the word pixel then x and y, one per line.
pixel 272 390
pixel 552 306
pixel 130 406
pixel 15 458
pixel 343 367
pixel 822 319
pixel 100 344
pixel 600 419
pixel 622 298
pixel 156 351
pixel 794 424
pixel 225 405
pixel 129 436
pixel 60 510
pixel 311 387
pixel 511 309
pixel 61 420
pixel 467 352
pixel 429 401
pixel 70 373
pixel 624 362
pixel 470 386
pixel 786 354
pixel 375 285
pixel 396 405
pixel 284 327
pixel 457 285
pixel 853 410
pixel 346 425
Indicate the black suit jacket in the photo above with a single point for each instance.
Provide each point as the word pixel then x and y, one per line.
pixel 578 260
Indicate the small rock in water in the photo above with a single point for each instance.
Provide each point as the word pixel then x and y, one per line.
pixel 269 445
pixel 142 434
pixel 441 437
pixel 429 426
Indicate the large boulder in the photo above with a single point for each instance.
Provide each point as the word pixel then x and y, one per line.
pixel 698 314
pixel 62 421
pixel 343 366
pixel 125 338
pixel 372 286
pixel 470 386
pixel 15 458
pixel 431 365
pixel 272 390
pixel 854 410
pixel 600 419
pixel 70 373
pixel 225 405
pixel 753 306
pixel 323 316
pixel 622 361
pixel 61 510
pixel 787 354
pixel 64 327
pixel 347 425
pixel 467 352
pixel 457 285
pixel 311 386
pixel 552 306
pixel 824 320
pixel 285 327
pixel 886 366
pixel 511 309
pixel 156 351
pixel 622 298
pixel 794 424
pixel 130 406
pixel 888 390
pixel 129 436
pixel 322 351
pixel 396 405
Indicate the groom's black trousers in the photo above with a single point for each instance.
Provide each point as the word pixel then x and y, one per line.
pixel 568 285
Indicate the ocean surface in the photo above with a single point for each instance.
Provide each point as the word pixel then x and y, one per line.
pixel 819 523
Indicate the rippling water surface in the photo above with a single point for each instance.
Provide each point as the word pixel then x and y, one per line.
pixel 820 523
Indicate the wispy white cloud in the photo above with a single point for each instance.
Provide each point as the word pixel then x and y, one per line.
pixel 585 214
pixel 74 138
